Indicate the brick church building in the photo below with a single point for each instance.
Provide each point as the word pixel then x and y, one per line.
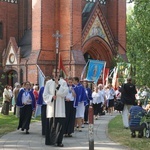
pixel 89 30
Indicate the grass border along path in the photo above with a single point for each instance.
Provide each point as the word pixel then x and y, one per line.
pixel 118 134
pixel 9 123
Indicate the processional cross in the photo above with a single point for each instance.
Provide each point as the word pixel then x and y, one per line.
pixel 57 36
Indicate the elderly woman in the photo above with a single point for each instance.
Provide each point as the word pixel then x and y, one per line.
pixel 6 101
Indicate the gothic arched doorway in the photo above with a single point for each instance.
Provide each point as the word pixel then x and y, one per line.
pixel 98 49
pixel 12 77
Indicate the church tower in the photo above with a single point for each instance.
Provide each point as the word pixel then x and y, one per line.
pixel 87 29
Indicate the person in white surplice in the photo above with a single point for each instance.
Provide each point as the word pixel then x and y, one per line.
pixel 55 90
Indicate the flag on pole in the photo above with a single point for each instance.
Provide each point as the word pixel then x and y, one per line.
pixel 83 71
pixel 124 71
pixel 62 68
pixel 41 77
pixel 41 83
pixel 94 70
pixel 106 74
pixel 114 79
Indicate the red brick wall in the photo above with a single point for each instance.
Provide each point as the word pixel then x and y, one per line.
pixel 116 16
pixel 77 24
pixel 47 27
pixel 9 18
pixel 122 26
pixel 68 21
pixel 36 25
pixel 65 28
pixel 32 74
pixel 112 16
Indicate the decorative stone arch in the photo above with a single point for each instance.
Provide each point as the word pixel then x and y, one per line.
pixel 98 49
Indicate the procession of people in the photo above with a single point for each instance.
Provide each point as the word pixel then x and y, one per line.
pixel 65 104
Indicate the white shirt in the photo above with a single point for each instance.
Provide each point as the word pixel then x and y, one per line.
pixel 102 96
pixel 26 99
pixel 96 98
pixel 70 95
pixel 110 93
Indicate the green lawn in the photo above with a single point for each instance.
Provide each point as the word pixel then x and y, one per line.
pixel 9 123
pixel 118 134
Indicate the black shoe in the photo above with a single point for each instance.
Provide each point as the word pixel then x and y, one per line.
pixel 60 145
pixel 27 132
pixel 69 135
pixel 140 135
pixel 133 135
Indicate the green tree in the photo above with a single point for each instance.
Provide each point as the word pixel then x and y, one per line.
pixel 138 41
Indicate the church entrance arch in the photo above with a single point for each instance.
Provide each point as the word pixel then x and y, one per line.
pixel 12 77
pixel 98 49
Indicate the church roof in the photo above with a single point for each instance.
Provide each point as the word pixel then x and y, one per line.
pixel 86 13
pixel 25 44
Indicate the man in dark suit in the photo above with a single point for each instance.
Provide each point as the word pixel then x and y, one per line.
pixel 128 92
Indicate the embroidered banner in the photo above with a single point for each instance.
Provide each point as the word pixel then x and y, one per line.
pixel 94 70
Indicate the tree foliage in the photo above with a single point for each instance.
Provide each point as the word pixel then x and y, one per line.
pixel 138 41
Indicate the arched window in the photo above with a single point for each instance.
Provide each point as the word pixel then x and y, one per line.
pixel 1 30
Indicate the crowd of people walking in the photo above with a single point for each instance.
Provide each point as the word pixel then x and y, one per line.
pixel 64 104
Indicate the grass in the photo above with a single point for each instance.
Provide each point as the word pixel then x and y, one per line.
pixel 9 123
pixel 118 134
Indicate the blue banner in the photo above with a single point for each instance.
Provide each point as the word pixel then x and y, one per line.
pixel 94 70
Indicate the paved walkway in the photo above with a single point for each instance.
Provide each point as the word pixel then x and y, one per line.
pixel 18 140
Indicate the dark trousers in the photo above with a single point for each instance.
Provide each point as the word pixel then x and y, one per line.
pixel 96 108
pixel 49 123
pixel 86 113
pixel 43 118
pixel 70 117
pixel 139 128
pixel 100 108
pixel 25 117
pixel 15 109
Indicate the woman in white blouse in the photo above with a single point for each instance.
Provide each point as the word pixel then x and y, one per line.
pixel 110 93
pixel 96 101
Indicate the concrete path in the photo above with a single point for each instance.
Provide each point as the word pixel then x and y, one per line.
pixel 18 140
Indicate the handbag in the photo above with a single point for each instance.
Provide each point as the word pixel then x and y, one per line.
pixel 118 105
